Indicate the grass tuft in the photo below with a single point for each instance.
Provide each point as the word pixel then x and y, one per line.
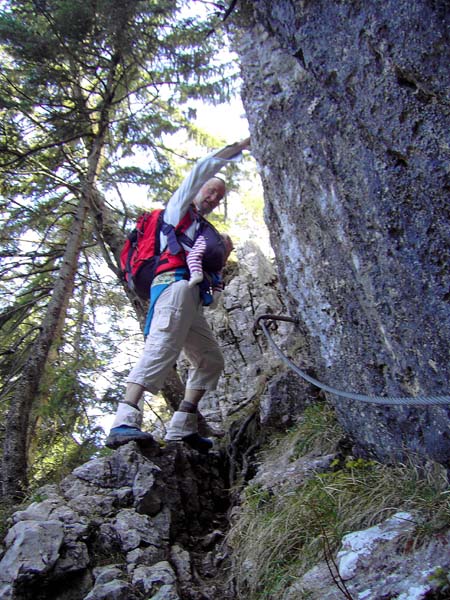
pixel 277 537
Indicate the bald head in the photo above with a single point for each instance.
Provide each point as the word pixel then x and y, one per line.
pixel 209 196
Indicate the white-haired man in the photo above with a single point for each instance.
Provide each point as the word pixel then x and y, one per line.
pixel 177 321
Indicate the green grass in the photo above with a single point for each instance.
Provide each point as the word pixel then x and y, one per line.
pixel 279 536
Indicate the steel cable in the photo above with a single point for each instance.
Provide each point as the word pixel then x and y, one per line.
pixel 416 400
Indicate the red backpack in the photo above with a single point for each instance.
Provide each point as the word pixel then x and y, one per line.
pixel 141 257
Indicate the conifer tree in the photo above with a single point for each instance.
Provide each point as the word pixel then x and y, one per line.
pixel 83 86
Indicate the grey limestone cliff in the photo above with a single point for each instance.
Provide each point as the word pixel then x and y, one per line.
pixel 348 105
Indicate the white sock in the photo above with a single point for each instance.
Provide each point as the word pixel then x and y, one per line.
pixel 127 415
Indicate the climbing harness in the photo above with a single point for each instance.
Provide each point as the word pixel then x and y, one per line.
pixel 419 400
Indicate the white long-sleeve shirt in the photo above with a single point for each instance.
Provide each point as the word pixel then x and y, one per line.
pixel 179 203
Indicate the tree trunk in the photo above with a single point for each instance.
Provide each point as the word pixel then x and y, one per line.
pixel 14 461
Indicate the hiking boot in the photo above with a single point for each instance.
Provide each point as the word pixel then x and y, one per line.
pixel 201 444
pixel 118 436
pixel 183 427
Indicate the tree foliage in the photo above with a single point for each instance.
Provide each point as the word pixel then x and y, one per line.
pixel 86 90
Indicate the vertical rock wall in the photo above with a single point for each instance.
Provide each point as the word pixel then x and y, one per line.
pixel 348 106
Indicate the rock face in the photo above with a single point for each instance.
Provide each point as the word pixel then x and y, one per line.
pixel 363 556
pixel 251 292
pixel 348 106
pixel 257 393
pixel 130 525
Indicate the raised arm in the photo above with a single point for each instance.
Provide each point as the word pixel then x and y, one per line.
pixel 233 150
pixel 203 170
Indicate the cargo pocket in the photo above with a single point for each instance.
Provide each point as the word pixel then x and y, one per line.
pixel 165 318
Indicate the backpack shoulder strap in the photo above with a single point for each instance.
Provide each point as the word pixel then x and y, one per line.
pixel 158 229
pixel 175 235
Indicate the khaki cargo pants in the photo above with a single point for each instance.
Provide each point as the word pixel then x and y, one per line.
pixel 179 324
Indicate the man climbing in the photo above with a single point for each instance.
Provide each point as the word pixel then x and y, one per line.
pixel 177 321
